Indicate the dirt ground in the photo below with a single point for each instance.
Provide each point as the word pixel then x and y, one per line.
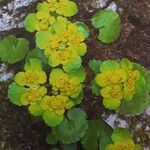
pixel 21 131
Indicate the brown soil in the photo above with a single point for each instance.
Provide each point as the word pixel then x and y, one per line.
pixel 19 130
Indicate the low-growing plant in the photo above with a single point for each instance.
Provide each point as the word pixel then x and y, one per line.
pixel 30 90
pixel 61 40
pixel 124 85
pixel 52 81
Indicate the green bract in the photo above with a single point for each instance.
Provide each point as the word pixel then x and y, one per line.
pixel 83 28
pixel 13 49
pixel 122 140
pixel 108 23
pixel 123 85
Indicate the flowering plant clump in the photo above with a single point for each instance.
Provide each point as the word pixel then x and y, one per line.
pixel 63 44
pixel 54 108
pixel 122 141
pixel 61 40
pixel 119 82
pixel 47 12
pixel 27 88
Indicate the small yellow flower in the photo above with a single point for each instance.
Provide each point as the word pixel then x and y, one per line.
pixel 30 77
pixel 111 77
pixel 33 95
pixel 58 104
pixel 67 86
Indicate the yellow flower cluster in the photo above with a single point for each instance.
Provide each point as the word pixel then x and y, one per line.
pixel 117 82
pixel 46 14
pixel 32 78
pixel 65 8
pixel 64 84
pixel 65 44
pixel 56 104
pixel 124 145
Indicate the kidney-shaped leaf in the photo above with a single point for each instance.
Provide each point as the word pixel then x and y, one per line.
pixel 13 49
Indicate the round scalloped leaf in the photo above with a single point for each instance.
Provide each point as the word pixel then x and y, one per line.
pixel 33 64
pixel 35 110
pixel 42 39
pixel 30 22
pixel 108 22
pixel 52 119
pixel 141 99
pixel 97 136
pixel 95 65
pixel 71 9
pixel 109 65
pixel 80 75
pixel 83 28
pixel 73 128
pixel 13 49
pixel 73 65
pixel 15 92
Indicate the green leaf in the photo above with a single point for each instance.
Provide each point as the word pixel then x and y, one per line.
pixel 95 88
pixel 30 22
pixel 108 23
pixel 51 139
pixel 15 92
pixel 13 49
pixel 52 119
pixel 95 65
pixel 109 65
pixel 73 65
pixel 81 74
pixel 97 136
pixel 35 110
pixel 141 99
pixel 33 64
pixel 71 9
pixel 42 39
pixel 73 128
pixel 83 28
